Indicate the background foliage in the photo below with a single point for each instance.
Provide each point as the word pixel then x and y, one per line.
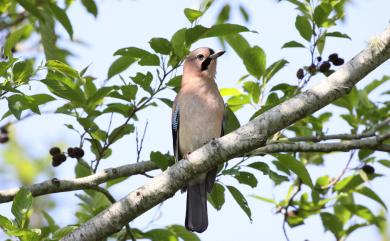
pixel 103 111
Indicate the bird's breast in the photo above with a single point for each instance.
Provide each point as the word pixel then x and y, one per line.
pixel 201 115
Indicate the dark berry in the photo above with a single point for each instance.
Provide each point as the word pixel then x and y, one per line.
pixel 300 73
pixel 55 151
pixel 324 67
pixel 338 62
pixel 312 69
pixel 4 139
pixel 319 59
pixel 368 169
pixel 58 159
pixel 71 152
pixel 4 130
pixel 333 57
pixel 79 153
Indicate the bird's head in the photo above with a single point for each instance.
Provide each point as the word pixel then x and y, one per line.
pixel 202 62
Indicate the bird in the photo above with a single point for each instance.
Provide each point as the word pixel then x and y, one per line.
pixel 197 118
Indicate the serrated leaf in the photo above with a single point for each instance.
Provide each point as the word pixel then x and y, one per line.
pixel 217 196
pixel 293 44
pixel 255 61
pixel 21 205
pixel 192 14
pixel 62 17
pixel 295 166
pixel 303 26
pixel 120 65
pixel 240 199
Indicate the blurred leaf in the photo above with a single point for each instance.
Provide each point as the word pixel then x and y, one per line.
pixel 244 13
pixel 264 168
pixel 192 14
pixel 14 37
pixel 120 65
pixel 293 44
pixel 224 14
pixel 60 233
pixel 64 90
pixel 230 121
pixel 21 205
pixel 268 200
pixel 29 7
pixel 91 7
pixel 119 132
pixel 303 26
pixel 376 83
pixel 274 68
pixel 321 13
pixel 217 196
pixel 223 29
pixel 337 35
pixel 255 61
pixel 160 45
pixel 62 17
pixel 246 178
pixel 348 183
pixel 63 68
pixel 240 199
pixel 6 224
pixel 238 43
pixel 229 91
pixel 183 233
pixel 321 43
pixel 149 60
pixel 371 194
pixel 332 223
pixel 295 166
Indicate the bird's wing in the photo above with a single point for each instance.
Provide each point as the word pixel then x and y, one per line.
pixel 212 174
pixel 175 131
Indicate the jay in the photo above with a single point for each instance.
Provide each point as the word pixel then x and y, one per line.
pixel 197 116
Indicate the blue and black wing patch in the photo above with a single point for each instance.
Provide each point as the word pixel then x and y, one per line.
pixel 175 133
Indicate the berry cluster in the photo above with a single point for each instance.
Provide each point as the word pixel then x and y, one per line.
pixel 321 66
pixel 4 135
pixel 58 157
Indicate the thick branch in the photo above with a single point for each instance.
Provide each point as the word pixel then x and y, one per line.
pixel 245 139
pixel 88 182
pixel 372 143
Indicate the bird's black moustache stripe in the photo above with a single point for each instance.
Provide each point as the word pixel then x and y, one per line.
pixel 205 64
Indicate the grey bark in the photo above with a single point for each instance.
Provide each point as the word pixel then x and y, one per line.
pixel 245 139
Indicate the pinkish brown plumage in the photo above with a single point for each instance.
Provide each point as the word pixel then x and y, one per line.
pixel 196 119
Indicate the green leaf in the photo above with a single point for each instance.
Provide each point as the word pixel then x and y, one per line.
pixel 99 95
pixel 244 13
pixel 64 90
pixel 217 196
pixel 337 35
pixel 321 43
pixel 240 199
pixel 14 37
pixel 192 14
pixel 332 223
pixel 6 224
pixel 149 60
pixel 61 16
pixel 223 29
pixel 255 61
pixel 238 43
pixel 144 81
pixel 22 71
pixel 348 183
pixel 29 7
pixel 112 182
pixel 134 52
pixel 295 166
pixel 274 68
pixel 371 194
pixel 229 91
pixel 293 44
pixel 160 45
pixel 268 200
pixel 161 160
pixel 120 65
pixel 230 121
pixel 60 233
pixel 224 14
pixel 385 163
pixel 303 26
pixel 321 13
pixel 246 178
pixel 63 68
pixel 91 7
pixel 183 233
pixel 178 43
pixel 119 132
pixel 376 83
pixel 21 205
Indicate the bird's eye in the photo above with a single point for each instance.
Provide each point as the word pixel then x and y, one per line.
pixel 200 56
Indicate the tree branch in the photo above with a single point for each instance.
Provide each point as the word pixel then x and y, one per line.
pixel 245 139
pixel 88 182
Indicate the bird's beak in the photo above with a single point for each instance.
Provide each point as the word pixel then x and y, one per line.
pixel 217 54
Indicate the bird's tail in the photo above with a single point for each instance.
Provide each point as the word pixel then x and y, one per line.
pixel 196 211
